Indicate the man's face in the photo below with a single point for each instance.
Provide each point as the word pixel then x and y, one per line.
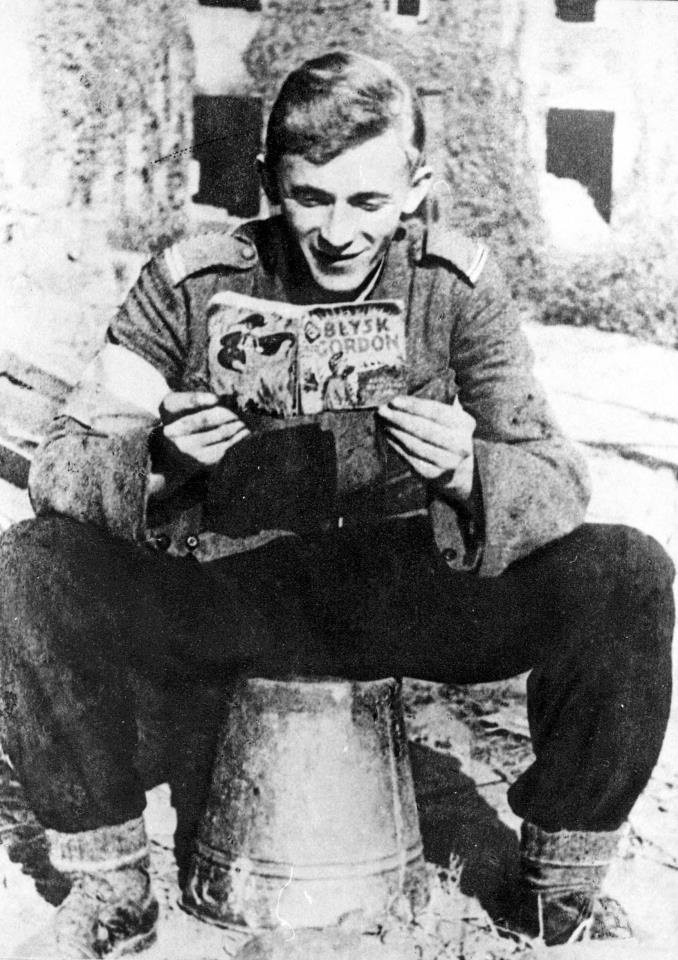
pixel 344 213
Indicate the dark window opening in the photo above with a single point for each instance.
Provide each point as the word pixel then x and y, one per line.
pixel 226 141
pixel 576 11
pixel 408 8
pixel 239 4
pixel 579 146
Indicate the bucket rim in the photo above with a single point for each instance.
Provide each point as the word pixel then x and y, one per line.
pixel 326 871
pixel 325 682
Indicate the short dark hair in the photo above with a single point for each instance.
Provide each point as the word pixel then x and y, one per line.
pixel 338 101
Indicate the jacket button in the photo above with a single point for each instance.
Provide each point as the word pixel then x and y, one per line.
pixel 160 542
pixel 192 542
pixel 248 252
pixel 449 554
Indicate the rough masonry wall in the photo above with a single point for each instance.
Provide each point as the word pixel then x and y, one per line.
pixel 117 86
pixel 95 166
pixel 622 275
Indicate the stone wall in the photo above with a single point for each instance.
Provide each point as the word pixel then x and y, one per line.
pixel 97 103
pixel 116 81
pixel 621 275
pixel 94 163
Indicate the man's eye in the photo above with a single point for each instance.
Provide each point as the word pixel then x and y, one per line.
pixel 309 199
pixel 371 206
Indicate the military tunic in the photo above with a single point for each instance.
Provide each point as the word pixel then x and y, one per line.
pixel 463 340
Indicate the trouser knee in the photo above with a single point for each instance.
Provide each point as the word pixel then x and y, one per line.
pixel 29 550
pixel 597 556
pixel 642 565
pixel 615 618
pixel 619 580
pixel 39 561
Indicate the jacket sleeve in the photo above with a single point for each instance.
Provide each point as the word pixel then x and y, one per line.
pixel 94 462
pixel 94 473
pixel 534 482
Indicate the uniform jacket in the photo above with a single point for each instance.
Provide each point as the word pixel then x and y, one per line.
pixel 463 339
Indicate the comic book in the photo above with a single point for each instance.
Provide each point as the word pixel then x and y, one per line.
pixel 283 360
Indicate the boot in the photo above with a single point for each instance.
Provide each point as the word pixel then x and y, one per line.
pixel 562 874
pixel 111 910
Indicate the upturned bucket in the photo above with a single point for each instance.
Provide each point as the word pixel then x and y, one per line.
pixel 311 814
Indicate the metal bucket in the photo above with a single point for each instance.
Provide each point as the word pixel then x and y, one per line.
pixel 311 814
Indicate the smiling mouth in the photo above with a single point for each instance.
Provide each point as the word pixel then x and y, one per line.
pixel 329 260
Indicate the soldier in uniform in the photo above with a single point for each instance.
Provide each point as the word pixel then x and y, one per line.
pixel 337 391
pixel 174 548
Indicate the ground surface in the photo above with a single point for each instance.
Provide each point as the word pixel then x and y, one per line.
pixel 621 398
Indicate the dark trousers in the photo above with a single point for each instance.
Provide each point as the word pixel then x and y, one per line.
pixel 100 639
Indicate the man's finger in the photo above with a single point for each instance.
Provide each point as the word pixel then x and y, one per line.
pixel 446 414
pixel 421 427
pixel 442 458
pixel 198 422
pixel 178 403
pixel 422 467
pixel 228 433
pixel 236 438
pixel 194 444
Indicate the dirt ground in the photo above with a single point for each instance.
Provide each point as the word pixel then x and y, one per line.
pixel 470 849
pixel 467 745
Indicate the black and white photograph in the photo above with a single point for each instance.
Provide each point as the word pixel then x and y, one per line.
pixel 338 479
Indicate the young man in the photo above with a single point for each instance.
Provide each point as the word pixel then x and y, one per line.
pixel 461 555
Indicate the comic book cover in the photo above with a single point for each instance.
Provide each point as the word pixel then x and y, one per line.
pixel 282 360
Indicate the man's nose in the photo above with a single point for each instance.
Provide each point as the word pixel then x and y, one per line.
pixel 338 229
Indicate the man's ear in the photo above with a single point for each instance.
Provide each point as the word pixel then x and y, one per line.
pixel 267 182
pixel 421 182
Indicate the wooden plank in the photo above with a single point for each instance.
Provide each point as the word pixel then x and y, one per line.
pixel 15 462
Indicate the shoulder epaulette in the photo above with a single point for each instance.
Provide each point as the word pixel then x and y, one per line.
pixel 205 250
pixel 465 255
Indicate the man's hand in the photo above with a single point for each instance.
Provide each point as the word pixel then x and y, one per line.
pixel 436 439
pixel 196 433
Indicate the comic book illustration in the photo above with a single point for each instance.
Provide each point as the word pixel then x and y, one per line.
pixel 253 354
pixel 283 360
pixel 352 355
